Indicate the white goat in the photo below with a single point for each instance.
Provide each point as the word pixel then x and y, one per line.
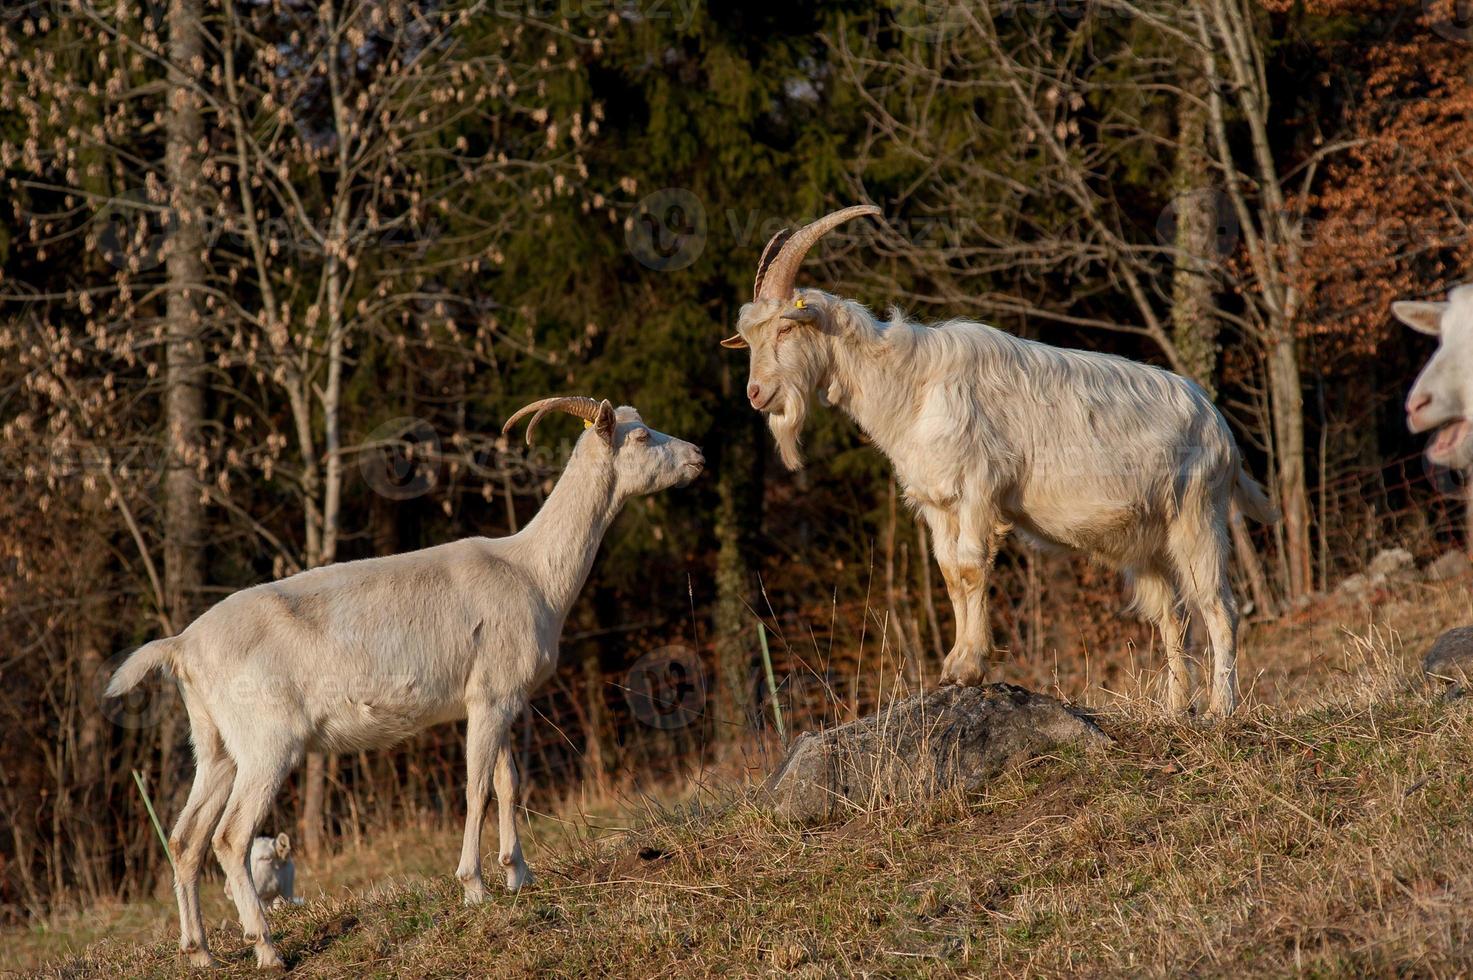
pixel 362 654
pixel 273 872
pixel 1443 394
pixel 988 433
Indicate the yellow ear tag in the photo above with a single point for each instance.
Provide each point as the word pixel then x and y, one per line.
pixel 587 424
pixel 799 304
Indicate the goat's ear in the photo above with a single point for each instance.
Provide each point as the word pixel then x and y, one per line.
pixel 605 423
pixel 1421 317
pixel 283 846
pixel 801 314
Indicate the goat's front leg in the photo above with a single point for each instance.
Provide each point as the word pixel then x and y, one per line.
pixel 944 534
pixel 486 732
pixel 979 536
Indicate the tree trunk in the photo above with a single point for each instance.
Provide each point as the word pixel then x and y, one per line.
pixel 1194 324
pixel 1288 407
pixel 183 511
pixel 1194 321
pixel 739 474
pixel 314 781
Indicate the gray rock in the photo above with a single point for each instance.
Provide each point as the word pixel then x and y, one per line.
pixel 919 747
pixel 1392 563
pixel 1453 565
pixel 1451 659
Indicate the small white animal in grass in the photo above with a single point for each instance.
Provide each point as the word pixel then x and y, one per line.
pixel 273 871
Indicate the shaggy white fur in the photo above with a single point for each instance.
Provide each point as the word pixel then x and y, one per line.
pixel 1442 397
pixel 363 654
pixel 989 433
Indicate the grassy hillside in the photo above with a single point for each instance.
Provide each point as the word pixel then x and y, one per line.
pixel 1326 832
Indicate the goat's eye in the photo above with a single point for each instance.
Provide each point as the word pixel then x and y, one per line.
pixel 783 330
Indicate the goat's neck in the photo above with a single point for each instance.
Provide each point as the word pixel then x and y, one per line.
pixel 559 544
pixel 879 389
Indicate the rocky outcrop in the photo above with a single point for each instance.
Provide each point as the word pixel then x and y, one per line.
pixel 920 746
pixel 1450 661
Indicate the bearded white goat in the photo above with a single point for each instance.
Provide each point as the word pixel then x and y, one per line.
pixel 988 433
pixel 364 654
pixel 1442 397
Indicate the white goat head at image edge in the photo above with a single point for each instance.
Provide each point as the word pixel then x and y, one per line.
pixel 990 433
pixel 1442 398
pixel 363 654
pixel 273 872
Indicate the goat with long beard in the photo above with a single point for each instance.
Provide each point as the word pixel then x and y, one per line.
pixel 989 433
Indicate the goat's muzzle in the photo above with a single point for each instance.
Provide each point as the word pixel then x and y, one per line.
pixel 693 466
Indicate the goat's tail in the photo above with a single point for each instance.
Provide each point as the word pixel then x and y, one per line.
pixel 142 662
pixel 1253 500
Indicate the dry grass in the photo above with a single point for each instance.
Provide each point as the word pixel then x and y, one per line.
pixel 1324 830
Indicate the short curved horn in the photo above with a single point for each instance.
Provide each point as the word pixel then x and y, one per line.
pixel 775 276
pixel 583 407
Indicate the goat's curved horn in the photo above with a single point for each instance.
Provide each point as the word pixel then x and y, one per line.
pixel 583 407
pixel 768 254
pixel 776 275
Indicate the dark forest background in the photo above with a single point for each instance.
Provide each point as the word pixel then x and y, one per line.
pixel 273 273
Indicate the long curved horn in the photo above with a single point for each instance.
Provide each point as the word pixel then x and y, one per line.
pixel 583 407
pixel 768 254
pixel 775 278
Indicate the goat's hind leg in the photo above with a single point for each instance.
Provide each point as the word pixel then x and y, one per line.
pixel 191 835
pixel 1202 562
pixel 256 784
pixel 517 874
pixel 1157 601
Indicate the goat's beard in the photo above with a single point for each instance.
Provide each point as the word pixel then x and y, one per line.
pixel 787 429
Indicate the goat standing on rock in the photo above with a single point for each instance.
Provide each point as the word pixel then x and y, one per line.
pixel 989 433
pixel 364 654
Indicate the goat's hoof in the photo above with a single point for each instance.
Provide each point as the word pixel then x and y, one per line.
pixel 964 677
pixel 198 958
pixel 518 878
pixel 475 894
pixel 267 958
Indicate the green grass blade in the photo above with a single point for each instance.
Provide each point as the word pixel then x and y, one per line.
pixel 777 709
pixel 158 828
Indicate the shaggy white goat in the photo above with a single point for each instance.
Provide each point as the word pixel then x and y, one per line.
pixel 363 654
pixel 273 872
pixel 988 433
pixel 1442 398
